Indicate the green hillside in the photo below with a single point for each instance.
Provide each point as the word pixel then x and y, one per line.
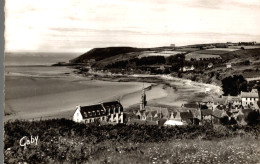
pixel 102 53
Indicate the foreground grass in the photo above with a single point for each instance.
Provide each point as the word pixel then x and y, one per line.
pixel 232 150
pixel 63 141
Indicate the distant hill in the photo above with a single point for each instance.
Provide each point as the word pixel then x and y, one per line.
pixel 102 53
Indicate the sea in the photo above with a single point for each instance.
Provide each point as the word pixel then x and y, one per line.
pixel 35 64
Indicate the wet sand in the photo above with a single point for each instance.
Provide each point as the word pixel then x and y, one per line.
pixel 56 95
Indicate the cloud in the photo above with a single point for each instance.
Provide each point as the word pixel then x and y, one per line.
pixel 75 24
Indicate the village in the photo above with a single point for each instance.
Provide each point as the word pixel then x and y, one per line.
pixel 221 110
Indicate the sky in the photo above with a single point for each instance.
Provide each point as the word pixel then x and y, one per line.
pixel 80 25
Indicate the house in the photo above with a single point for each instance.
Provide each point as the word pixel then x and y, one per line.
pixel 222 100
pixel 217 114
pixel 190 113
pixel 210 65
pixel 249 98
pixel 153 113
pixel 228 65
pixel 186 68
pixel 187 117
pixel 162 68
pixel 206 114
pixel 173 123
pixel 172 45
pixel 108 111
pixel 233 101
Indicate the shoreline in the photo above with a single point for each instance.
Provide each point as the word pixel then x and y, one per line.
pixel 57 95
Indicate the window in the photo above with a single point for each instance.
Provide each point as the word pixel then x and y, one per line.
pixel 89 113
pixel 94 113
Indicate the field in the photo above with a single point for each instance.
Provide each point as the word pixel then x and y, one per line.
pixel 197 55
pixel 162 53
pixel 64 141
pixel 246 47
pixel 216 51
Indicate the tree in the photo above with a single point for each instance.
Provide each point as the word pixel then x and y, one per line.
pixel 234 85
pixel 224 120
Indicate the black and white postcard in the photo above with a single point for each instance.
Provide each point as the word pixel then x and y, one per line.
pixel 132 81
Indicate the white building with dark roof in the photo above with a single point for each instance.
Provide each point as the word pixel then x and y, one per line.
pixel 249 98
pixel 108 111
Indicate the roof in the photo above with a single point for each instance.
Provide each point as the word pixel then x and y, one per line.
pixel 164 111
pixel 149 114
pixel 233 98
pixel 254 91
pixel 249 95
pixel 206 112
pixel 143 122
pixel 217 113
pixel 177 116
pixel 229 113
pixel 186 115
pixel 161 122
pixel 221 100
pixel 112 104
pixel 99 110
pixel 203 107
pixel 92 111
pixel 191 105
pixel 221 107
pixel 196 113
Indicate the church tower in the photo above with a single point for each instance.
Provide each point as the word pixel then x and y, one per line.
pixel 143 100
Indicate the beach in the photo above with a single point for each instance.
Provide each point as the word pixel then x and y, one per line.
pixel 28 97
pixel 54 92
pixel 43 91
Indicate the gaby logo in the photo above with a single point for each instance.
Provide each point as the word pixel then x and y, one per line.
pixel 24 141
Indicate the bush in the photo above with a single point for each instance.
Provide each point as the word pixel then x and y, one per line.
pixel 253 118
